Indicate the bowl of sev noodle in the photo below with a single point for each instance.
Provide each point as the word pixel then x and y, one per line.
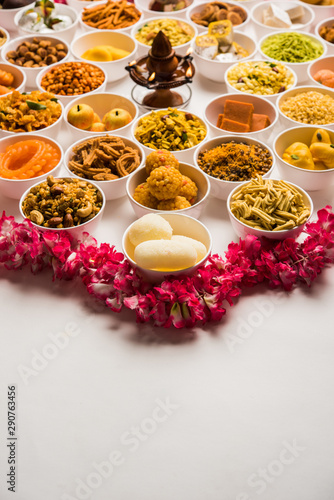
pixel 269 208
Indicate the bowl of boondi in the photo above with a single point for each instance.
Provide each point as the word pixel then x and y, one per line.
pixel 26 159
pixel 307 105
pixel 159 248
pixel 254 215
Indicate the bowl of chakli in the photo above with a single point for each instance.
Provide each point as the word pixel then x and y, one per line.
pixel 107 160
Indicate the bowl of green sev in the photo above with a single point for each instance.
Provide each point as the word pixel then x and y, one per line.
pixel 295 49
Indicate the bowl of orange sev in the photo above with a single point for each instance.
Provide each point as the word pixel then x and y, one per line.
pixel 24 159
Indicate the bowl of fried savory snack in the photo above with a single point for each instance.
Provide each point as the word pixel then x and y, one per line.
pixel 269 208
pixel 26 159
pixel 175 130
pixel 63 204
pixel 107 160
pixel 110 15
pixel 325 31
pixel 305 156
pixel 228 161
pixel 164 184
pixel 165 244
pixel 36 111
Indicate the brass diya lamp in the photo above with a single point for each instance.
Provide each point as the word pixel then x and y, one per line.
pixel 160 71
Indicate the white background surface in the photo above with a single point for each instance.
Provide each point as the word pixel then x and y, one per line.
pixel 250 405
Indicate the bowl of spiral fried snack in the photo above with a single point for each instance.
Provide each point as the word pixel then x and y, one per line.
pixel 106 160
pixel 165 184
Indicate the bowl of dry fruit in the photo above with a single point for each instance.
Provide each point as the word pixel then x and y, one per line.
pixel 106 160
pixel 33 52
pixel 63 204
pixel 164 184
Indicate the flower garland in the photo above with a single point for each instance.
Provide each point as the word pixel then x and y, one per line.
pixel 182 302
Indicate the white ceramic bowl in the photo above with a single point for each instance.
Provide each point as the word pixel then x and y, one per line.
pixel 31 73
pixel 115 70
pixel 261 106
pixel 181 225
pixel 299 68
pixel 179 49
pixel 269 97
pixel 196 175
pixel 64 34
pixel 242 229
pixel 6 36
pixel 101 103
pixel 310 180
pixel 51 131
pixel 326 22
pixel 113 189
pixel 320 64
pixel 262 30
pixel 65 99
pixel 321 12
pixel 220 188
pixel 78 5
pixel 144 7
pixel 20 78
pixel 85 27
pixel 213 69
pixel 287 122
pixel 185 155
pixel 7 20
pixel 198 7
pixel 14 188
pixel 75 231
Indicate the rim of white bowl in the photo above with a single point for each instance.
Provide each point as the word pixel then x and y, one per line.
pixel 263 232
pixel 63 228
pixel 293 64
pixel 59 6
pixel 45 70
pixel 73 102
pixel 90 33
pixel 136 122
pixel 229 138
pixel 137 27
pixel 180 271
pixel 236 34
pixel 295 78
pixel 265 3
pixel 183 210
pixel 298 90
pixel 196 5
pixel 7 36
pixel 21 135
pixel 315 127
pixel 15 42
pixel 234 96
pixel 102 183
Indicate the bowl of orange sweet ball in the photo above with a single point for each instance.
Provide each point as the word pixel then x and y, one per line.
pixel 165 184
